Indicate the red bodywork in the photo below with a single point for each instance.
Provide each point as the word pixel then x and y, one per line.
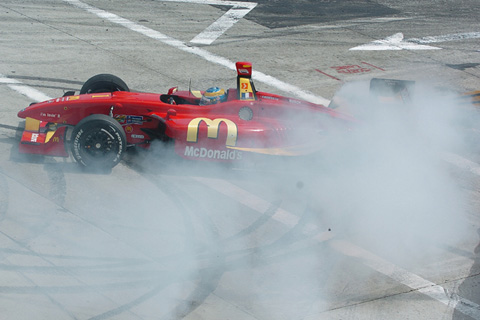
pixel 247 122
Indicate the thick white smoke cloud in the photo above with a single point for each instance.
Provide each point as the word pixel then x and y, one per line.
pixel 386 184
pixel 381 183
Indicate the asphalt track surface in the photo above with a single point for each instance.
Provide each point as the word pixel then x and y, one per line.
pixel 160 238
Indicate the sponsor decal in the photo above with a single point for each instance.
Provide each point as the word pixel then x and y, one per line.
pixel 121 118
pixel 100 95
pixel 34 137
pixel 67 98
pixel 213 129
pixel 138 136
pixel 128 129
pixel 56 139
pixel 129 119
pixel 245 89
pixel 294 101
pixel 205 153
pixel 50 115
pixel 269 97
pixel 246 95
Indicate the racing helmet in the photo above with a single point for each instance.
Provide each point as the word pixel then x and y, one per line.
pixel 213 95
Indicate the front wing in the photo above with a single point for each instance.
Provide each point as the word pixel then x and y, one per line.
pixel 40 137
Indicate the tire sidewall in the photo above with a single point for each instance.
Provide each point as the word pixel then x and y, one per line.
pixel 103 83
pixel 92 124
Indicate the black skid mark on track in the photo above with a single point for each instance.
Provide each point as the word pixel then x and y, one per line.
pixel 45 79
pixel 58 185
pixel 65 84
pixel 13 128
pixel 265 254
pixel 126 307
pixel 262 220
pixel 4 192
pixel 56 194
pixel 297 232
pixel 469 286
pixel 207 277
pixel 477 248
pixel 213 256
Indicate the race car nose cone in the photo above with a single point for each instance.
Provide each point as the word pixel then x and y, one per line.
pixel 21 114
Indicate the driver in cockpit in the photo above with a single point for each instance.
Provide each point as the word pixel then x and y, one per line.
pixel 212 96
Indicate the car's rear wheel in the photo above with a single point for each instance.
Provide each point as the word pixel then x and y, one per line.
pixel 98 142
pixel 104 83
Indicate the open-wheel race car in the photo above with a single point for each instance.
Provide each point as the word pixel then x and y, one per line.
pixel 98 124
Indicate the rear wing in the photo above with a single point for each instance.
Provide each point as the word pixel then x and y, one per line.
pixel 246 89
pixel 391 90
pixel 396 91
pixel 382 90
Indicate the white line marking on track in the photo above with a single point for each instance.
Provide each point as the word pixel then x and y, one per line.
pixel 257 75
pixel 376 263
pixel 260 205
pixel 216 29
pixel 393 42
pixel 397 42
pixel 446 37
pixel 225 22
pixel 248 199
pixel 462 163
pixel 27 91
pixel 409 279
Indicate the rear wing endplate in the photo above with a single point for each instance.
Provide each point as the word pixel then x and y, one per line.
pixel 246 89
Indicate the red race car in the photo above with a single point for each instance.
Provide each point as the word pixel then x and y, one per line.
pixel 97 125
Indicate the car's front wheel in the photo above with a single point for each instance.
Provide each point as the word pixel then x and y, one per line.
pixel 98 141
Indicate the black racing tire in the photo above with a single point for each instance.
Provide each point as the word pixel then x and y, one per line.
pixel 98 142
pixel 104 83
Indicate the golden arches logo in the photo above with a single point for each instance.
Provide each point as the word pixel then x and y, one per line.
pixel 213 129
